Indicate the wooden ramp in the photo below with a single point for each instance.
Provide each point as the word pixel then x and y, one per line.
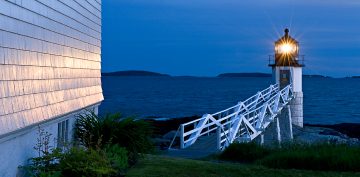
pixel 204 143
pixel 203 147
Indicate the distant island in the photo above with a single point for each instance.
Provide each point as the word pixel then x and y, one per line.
pixel 134 73
pixel 264 75
pixel 244 75
pixel 184 76
pixel 315 76
pixel 149 73
pixel 352 77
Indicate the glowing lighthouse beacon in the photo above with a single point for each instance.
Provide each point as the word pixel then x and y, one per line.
pixel 287 67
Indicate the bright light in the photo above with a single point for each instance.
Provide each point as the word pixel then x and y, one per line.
pixel 286 48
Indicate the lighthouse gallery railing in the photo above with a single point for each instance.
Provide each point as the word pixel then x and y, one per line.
pixel 242 122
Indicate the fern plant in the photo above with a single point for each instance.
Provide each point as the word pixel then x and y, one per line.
pixel 116 128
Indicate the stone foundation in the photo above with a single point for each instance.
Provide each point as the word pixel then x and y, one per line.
pixel 272 133
pixel 279 130
pixel 285 121
pixel 296 108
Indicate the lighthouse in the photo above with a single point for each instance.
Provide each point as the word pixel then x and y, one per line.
pixel 287 67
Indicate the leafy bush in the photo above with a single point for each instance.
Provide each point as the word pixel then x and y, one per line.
pixel 116 128
pixel 75 161
pixel 119 159
pixel 78 161
pixel 244 152
pixel 321 156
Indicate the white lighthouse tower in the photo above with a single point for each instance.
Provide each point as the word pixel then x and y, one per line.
pixel 287 67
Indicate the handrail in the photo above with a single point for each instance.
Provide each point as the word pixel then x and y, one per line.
pixel 246 100
pixel 253 113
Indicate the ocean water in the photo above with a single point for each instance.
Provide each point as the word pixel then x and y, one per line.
pixel 326 101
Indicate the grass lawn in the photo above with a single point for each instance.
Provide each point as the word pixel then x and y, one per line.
pixel 155 165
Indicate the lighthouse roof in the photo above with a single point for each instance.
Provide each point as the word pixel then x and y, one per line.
pixel 286 39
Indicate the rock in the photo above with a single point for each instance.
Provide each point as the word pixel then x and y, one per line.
pixel 335 133
pixel 310 137
pixel 350 129
pixel 160 140
pixel 162 143
pixel 336 139
pixel 313 134
pixel 171 135
pixel 314 137
pixel 353 142
pixel 169 124
pixel 176 141
pixel 164 146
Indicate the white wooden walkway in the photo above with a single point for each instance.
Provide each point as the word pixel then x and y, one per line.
pixel 242 122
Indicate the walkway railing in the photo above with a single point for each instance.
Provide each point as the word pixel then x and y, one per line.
pixel 242 122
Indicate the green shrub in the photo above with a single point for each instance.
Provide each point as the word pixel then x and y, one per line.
pixel 75 161
pixel 116 128
pixel 78 161
pixel 118 156
pixel 244 152
pixel 91 124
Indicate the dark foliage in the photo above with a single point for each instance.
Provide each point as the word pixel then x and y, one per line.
pixel 117 128
pixel 321 156
pixel 317 157
pixel 75 161
pixel 244 152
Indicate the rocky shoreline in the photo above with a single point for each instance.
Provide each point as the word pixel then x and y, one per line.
pixel 344 133
pixel 166 129
pixel 313 133
pixel 352 130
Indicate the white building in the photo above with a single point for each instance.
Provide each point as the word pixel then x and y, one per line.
pixel 50 56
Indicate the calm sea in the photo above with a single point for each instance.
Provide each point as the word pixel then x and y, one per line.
pixel 326 101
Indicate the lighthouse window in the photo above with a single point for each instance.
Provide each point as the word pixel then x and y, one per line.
pixel 63 129
pixel 284 75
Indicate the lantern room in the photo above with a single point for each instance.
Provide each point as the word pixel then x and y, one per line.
pixel 286 52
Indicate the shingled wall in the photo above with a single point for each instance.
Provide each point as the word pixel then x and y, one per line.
pixel 50 54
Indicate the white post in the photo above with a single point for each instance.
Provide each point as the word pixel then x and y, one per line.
pixel 208 134
pixel 182 137
pixel 218 133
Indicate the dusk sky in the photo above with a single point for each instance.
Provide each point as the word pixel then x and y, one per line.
pixel 210 37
